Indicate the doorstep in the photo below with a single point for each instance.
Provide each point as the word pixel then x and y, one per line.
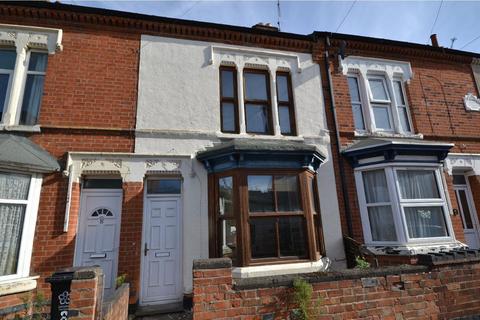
pixel 154 310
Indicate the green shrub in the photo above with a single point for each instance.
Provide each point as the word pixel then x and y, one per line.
pixel 308 309
pixel 361 263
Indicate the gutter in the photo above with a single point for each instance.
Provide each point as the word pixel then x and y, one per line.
pixel 343 182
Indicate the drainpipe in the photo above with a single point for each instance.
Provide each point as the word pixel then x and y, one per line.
pixel 343 182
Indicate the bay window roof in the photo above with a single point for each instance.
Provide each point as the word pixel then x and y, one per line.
pixel 381 150
pixel 240 153
pixel 19 153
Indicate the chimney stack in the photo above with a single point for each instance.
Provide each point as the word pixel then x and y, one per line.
pixel 434 40
pixel 265 26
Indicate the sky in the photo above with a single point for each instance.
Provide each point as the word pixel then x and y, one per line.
pixel 411 21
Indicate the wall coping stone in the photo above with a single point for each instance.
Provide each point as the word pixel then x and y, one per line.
pixel 216 263
pixel 75 273
pixel 317 277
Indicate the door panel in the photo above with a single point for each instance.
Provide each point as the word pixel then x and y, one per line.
pixel 161 265
pixel 98 233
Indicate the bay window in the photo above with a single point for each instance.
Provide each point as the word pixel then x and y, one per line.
pixel 18 210
pixel 265 216
pixel 403 205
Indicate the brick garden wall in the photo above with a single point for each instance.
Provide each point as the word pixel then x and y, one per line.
pixel 403 292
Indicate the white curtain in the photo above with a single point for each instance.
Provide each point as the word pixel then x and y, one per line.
pixel 418 184
pixel 32 99
pixel 376 189
pixel 381 221
pixel 12 187
pixel 425 222
pixel 11 225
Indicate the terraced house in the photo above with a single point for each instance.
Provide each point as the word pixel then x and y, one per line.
pixel 140 143
pixel 406 117
pixel 162 141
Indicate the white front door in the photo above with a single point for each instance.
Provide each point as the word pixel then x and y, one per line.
pixel 99 232
pixel 161 251
pixel 469 219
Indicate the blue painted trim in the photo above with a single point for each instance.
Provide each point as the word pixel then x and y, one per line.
pixel 390 151
pixel 229 158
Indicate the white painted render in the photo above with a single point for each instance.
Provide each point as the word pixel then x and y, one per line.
pixel 178 114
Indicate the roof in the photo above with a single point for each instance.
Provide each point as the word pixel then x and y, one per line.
pixel 310 37
pixel 383 150
pixel 258 146
pixel 373 143
pixel 247 153
pixel 20 153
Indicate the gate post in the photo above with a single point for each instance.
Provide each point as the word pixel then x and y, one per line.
pixel 77 293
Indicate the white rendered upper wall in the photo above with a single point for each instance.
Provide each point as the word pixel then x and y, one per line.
pixel 179 84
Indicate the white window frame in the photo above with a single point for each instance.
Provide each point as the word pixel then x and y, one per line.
pixel 28 230
pixel 361 95
pixel 9 87
pixel 387 104
pixel 398 204
pixel 24 82
pixel 24 40
pixel 363 69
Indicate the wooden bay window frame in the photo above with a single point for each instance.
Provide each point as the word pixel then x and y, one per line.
pixel 242 216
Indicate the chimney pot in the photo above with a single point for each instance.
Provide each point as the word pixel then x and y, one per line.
pixel 434 40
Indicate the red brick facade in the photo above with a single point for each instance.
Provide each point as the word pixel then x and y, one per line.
pixel 435 98
pixel 89 104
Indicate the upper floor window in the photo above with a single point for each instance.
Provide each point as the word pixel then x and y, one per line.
pixel 23 63
pixel 286 112
pixel 256 102
pixel 7 65
pixel 377 95
pixel 228 100
pixel 33 88
pixel 30 87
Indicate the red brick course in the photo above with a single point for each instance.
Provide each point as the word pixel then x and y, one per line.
pixel 444 292
pixel 131 236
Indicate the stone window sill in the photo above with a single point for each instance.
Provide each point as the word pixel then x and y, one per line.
pixel 381 134
pixel 281 269
pixel 257 136
pixel 21 128
pixel 18 285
